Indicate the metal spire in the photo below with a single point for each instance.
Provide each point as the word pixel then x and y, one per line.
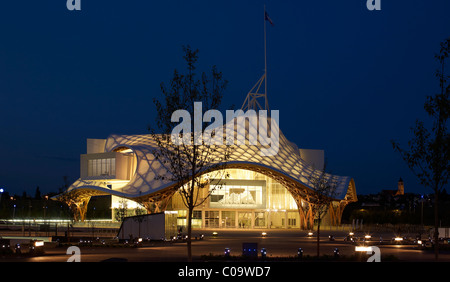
pixel 251 101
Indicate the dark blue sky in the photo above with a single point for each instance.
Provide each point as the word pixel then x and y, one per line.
pixel 344 79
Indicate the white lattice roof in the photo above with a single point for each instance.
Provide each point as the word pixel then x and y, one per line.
pixel 287 163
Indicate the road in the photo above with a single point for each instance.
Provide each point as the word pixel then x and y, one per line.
pixel 278 243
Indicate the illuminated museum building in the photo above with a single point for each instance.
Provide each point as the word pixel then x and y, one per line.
pixel 261 191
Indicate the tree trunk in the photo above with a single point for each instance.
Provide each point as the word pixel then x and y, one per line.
pixel 318 238
pixel 436 226
pixel 191 205
pixel 189 231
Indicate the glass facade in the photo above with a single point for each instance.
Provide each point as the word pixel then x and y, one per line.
pixel 196 218
pixel 228 219
pixel 246 199
pixel 102 167
pixel 238 194
pixel 211 219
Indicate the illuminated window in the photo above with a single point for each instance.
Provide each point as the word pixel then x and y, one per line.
pixel 211 218
pixel 239 195
pixel 196 218
pixel 102 167
pixel 260 219
pixel 229 219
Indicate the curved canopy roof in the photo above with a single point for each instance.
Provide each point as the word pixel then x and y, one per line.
pixel 286 166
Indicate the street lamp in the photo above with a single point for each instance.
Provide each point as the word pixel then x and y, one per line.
pixel 1 192
pixel 421 211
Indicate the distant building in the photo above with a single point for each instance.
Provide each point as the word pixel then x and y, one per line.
pixel 400 189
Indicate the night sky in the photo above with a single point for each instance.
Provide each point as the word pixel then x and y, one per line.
pixel 345 79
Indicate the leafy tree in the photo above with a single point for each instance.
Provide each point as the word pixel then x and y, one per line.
pixel 189 161
pixel 428 155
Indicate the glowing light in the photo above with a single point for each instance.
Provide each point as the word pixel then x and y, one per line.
pixel 363 249
pixel 39 243
pixel 170 212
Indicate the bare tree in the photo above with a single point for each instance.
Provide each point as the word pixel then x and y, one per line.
pixel 139 212
pixel 324 186
pixel 428 155
pixel 193 163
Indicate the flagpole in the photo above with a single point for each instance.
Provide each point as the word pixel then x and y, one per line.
pixel 265 60
pixel 265 55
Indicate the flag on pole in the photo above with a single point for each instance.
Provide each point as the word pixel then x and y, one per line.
pixel 266 17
